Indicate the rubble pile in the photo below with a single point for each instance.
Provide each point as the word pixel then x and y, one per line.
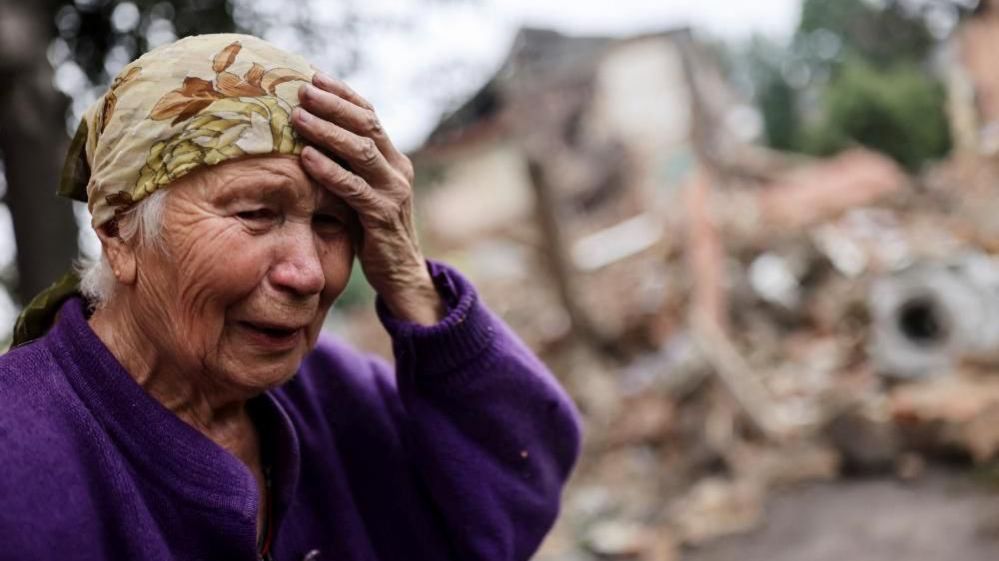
pixel 729 320
pixel 869 329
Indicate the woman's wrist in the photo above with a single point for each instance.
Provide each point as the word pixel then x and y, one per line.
pixel 417 300
pixel 464 332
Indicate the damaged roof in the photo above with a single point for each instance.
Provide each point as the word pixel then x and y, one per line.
pixel 539 60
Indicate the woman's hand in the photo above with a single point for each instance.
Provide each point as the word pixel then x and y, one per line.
pixel 377 185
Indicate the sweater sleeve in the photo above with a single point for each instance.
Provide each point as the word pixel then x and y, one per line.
pixel 492 434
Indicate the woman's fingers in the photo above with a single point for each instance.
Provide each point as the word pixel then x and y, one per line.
pixel 376 180
pixel 347 154
pixel 341 89
pixel 343 183
pixel 349 115
pixel 334 100
pixel 361 153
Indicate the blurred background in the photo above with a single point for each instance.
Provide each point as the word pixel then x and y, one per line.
pixel 754 240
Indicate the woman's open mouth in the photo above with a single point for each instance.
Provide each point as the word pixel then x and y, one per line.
pixel 271 336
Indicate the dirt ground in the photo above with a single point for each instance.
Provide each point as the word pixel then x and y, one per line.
pixel 942 516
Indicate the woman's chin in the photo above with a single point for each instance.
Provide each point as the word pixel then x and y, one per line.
pixel 261 374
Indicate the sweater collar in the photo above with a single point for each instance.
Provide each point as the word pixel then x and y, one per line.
pixel 162 448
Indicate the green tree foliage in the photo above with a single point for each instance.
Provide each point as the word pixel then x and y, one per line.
pixel 774 96
pixel 100 36
pixel 777 102
pixel 856 72
pixel 897 111
pixel 95 30
pixel 881 35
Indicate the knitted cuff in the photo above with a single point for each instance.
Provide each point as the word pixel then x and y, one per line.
pixel 464 333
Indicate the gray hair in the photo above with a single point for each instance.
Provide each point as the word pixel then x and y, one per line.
pixel 138 226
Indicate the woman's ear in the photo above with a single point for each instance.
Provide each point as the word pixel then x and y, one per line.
pixel 120 255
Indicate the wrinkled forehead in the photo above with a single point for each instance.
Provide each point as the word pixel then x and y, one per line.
pixel 270 179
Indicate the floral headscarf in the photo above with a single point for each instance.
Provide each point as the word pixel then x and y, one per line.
pixel 196 102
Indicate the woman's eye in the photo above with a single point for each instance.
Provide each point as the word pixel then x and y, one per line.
pixel 327 221
pixel 257 215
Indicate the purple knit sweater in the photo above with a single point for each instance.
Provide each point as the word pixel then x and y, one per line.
pixel 460 455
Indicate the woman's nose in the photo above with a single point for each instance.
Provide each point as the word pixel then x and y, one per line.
pixel 298 269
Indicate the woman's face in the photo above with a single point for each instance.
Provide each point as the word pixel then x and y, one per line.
pixel 254 254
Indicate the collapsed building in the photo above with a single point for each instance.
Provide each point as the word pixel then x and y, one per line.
pixel 571 159
pixel 713 306
pixel 603 188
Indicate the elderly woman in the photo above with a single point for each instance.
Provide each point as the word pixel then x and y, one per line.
pixel 179 401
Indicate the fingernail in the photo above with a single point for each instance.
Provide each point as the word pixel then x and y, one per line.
pixel 323 80
pixel 302 115
pixel 307 91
